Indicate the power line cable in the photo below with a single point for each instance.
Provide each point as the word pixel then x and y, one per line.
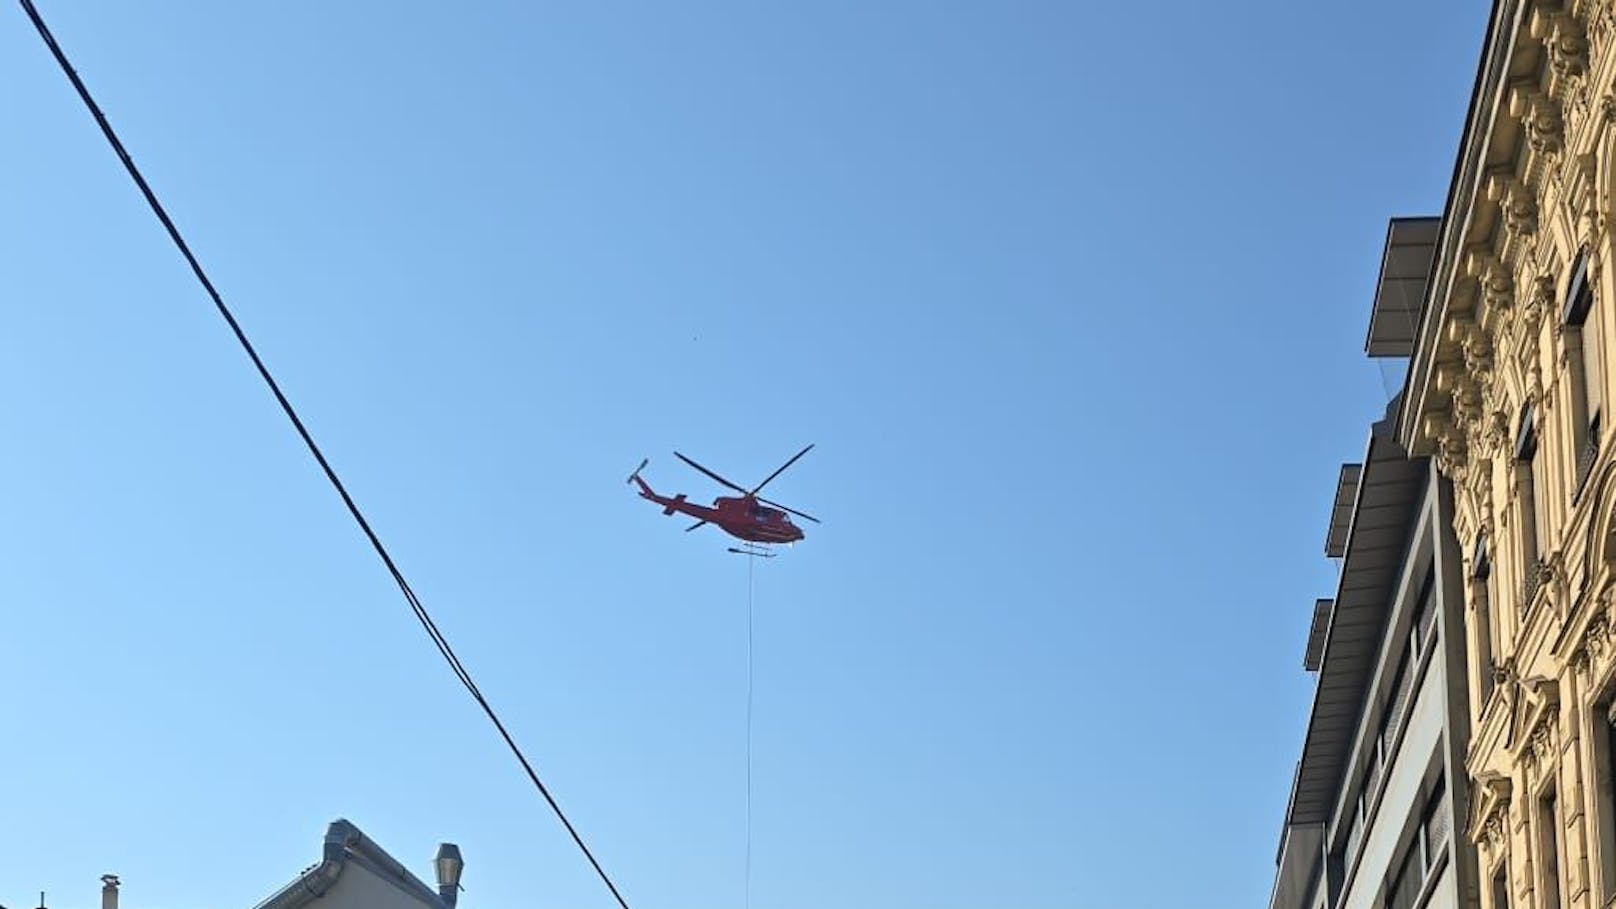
pixel 416 606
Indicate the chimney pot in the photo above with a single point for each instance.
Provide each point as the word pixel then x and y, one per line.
pixel 448 865
pixel 109 891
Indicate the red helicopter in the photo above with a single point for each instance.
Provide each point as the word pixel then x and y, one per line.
pixel 746 517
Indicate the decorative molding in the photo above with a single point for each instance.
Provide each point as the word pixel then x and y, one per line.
pixel 1516 203
pixel 1566 43
pixel 1490 798
pixel 1496 284
pixel 1539 746
pixel 1596 640
pixel 1540 117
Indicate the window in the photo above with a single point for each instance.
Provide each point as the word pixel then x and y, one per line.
pixel 1425 616
pixel 1436 826
pixel 1410 875
pixel 1548 818
pixel 1481 598
pixel 1429 838
pixel 1501 887
pixel 1355 831
pixel 1532 533
pixel 1587 368
pixel 1397 699
pixel 1604 742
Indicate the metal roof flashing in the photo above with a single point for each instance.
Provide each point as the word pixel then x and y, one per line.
pixel 344 843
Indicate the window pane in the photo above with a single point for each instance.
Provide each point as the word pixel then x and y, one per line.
pixel 1593 364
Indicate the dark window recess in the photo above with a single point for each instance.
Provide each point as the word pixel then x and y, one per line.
pixel 1371 783
pixel 1587 453
pixel 1501 888
pixel 1410 875
pixel 1396 705
pixel 1533 533
pixel 1588 367
pixel 1419 857
pixel 1481 592
pixel 1436 824
pixel 1608 825
pixel 1549 819
pixel 1355 833
pixel 1531 583
pixel 1425 622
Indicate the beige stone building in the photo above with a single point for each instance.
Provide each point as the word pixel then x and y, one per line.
pixel 1506 394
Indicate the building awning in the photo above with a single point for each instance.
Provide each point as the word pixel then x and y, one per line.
pixel 1405 265
pixel 1315 635
pixel 1346 492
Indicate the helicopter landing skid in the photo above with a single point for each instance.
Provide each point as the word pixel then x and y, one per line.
pixel 754 550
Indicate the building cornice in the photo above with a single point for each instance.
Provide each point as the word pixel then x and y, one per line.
pixel 1425 424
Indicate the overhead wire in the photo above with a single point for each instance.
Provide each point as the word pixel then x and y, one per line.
pixel 416 606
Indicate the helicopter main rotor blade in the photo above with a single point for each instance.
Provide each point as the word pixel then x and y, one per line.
pixel 758 487
pixel 709 473
pixel 792 510
pixel 694 526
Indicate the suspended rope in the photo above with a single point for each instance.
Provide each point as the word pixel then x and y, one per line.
pixel 749 587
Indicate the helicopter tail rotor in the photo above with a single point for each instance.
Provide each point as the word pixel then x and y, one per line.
pixel 636 474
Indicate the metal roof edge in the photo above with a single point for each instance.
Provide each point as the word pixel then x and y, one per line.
pixel 344 841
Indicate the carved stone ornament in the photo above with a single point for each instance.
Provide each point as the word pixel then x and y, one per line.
pixel 1541 747
pixel 1450 444
pixel 1496 283
pixel 1597 638
pixel 1497 434
pixel 1601 26
pixel 1478 353
pixel 1579 177
pixel 1488 810
pixel 1515 202
pixel 1466 402
pixel 1539 303
pixel 1492 830
pixel 1540 117
pixel 1565 40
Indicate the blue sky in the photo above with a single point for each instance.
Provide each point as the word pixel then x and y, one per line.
pixel 1070 296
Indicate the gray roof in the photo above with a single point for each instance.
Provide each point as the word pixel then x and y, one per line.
pixel 345 845
pixel 1382 520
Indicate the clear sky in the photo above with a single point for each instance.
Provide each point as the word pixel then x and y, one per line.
pixel 1071 296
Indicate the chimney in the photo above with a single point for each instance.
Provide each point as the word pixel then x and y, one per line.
pixel 448 864
pixel 109 891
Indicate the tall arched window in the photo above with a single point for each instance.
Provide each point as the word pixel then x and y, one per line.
pixel 1587 362
pixel 1533 535
pixel 1485 634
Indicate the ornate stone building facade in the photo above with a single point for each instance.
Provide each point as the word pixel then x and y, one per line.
pixel 1505 393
